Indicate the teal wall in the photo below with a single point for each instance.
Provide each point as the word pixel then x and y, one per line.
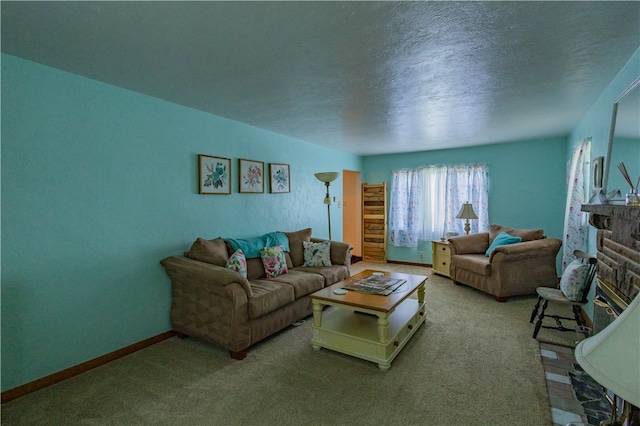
pixel 596 124
pixel 98 185
pixel 527 184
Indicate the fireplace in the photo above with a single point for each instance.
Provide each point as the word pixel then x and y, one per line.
pixel 618 246
pixel 608 305
pixel 618 270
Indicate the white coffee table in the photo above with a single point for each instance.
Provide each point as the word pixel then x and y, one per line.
pixel 371 327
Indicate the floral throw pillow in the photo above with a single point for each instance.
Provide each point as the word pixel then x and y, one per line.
pixel 238 262
pixel 573 279
pixel 317 254
pixel 273 261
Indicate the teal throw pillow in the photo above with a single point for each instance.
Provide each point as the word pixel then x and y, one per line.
pixel 502 239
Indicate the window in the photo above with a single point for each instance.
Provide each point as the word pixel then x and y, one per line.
pixel 424 202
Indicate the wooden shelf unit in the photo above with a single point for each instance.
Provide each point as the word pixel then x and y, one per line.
pixel 374 222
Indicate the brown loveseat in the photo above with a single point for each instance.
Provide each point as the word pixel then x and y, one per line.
pixel 219 305
pixel 510 270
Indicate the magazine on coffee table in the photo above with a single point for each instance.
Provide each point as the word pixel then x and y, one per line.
pixel 373 284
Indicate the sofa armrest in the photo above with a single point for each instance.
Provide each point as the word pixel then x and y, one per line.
pixel 204 274
pixel 469 244
pixel 528 249
pixel 340 252
pixel 209 302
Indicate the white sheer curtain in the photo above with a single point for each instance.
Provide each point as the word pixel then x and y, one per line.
pixel 404 210
pixel 467 184
pixel 575 221
pixel 424 202
pixel 434 185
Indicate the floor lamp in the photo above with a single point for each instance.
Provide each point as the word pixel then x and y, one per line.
pixel 327 178
pixel 466 212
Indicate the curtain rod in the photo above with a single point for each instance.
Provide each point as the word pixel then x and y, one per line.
pixel 441 165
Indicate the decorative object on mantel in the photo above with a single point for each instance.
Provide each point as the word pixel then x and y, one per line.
pixel 466 212
pixel 632 198
pixel 251 176
pixel 598 195
pixel 214 175
pixel 327 178
pixel 612 359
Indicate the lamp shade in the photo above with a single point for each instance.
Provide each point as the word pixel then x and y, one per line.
pixel 327 176
pixel 466 212
pixel 612 357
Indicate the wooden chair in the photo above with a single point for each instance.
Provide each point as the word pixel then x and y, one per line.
pixel 555 295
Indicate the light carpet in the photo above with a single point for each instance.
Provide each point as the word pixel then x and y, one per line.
pixel 472 363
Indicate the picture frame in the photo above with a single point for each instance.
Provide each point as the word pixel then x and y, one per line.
pixel 279 178
pixel 251 174
pixel 214 175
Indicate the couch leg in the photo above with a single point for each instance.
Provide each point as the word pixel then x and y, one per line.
pixel 238 355
pixel 181 335
pixel 501 299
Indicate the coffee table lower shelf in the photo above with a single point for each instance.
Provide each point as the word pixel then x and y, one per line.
pixel 358 333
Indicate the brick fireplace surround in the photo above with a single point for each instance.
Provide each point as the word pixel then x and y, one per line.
pixel 618 273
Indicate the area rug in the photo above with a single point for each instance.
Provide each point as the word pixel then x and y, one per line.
pixel 472 363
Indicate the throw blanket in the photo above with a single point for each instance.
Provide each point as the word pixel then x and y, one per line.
pixel 251 247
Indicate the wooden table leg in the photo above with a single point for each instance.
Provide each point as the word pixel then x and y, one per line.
pixel 317 313
pixel 421 293
pixel 383 327
pixel 317 320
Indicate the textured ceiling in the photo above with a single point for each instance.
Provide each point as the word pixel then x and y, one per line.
pixel 362 77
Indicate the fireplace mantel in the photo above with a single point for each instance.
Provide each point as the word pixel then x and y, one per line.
pixel 623 221
pixel 617 211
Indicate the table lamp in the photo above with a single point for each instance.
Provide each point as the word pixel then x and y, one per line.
pixel 466 212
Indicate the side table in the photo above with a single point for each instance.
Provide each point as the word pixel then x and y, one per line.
pixel 441 255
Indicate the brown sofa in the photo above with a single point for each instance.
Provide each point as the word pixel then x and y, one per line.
pixel 511 270
pixel 219 305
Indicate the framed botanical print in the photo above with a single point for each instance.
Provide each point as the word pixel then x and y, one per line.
pixel 279 178
pixel 251 176
pixel 214 175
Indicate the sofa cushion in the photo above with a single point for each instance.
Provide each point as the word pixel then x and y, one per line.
pixel 296 250
pixel 287 257
pixel 303 283
pixel 502 239
pixel 476 263
pixel 273 261
pixel 525 234
pixel 209 251
pixel 332 274
pixel 317 254
pixel 238 263
pixel 268 296
pixel 255 269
